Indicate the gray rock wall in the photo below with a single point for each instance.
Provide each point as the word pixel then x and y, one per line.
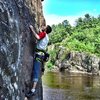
pixel 77 62
pixel 17 49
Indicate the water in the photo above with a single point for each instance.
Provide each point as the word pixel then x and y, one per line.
pixel 70 86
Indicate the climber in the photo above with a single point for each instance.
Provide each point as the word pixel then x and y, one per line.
pixel 40 55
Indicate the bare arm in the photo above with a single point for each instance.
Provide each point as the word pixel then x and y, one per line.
pixel 34 33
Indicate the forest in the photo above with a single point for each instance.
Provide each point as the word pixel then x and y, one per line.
pixel 84 36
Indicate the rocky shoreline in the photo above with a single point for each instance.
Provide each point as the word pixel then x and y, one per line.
pixel 77 62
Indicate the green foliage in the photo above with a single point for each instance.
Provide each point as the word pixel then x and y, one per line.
pixel 53 51
pixel 60 32
pixel 84 37
pixel 49 65
pixel 52 56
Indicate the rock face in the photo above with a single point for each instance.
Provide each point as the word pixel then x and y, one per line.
pixel 17 47
pixel 77 62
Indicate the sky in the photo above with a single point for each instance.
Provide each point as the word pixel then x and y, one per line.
pixel 55 11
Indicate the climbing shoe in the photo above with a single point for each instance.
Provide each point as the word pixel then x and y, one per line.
pixel 30 94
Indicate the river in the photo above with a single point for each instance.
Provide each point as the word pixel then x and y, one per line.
pixel 70 86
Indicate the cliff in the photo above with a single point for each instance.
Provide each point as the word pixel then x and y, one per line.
pixel 17 47
pixel 74 61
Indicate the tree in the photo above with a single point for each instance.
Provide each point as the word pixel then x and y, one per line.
pixel 79 21
pixel 65 23
pixel 87 16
